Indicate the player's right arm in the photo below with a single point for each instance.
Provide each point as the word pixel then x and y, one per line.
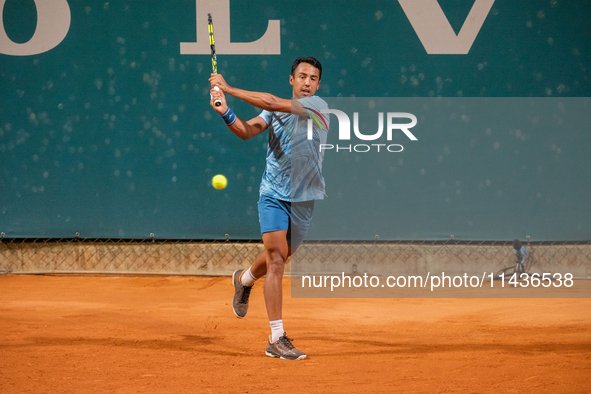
pixel 243 129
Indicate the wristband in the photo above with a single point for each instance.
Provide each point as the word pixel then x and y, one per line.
pixel 229 117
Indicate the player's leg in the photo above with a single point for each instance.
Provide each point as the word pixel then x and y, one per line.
pixel 273 216
pixel 276 250
pixel 279 245
pixel 300 217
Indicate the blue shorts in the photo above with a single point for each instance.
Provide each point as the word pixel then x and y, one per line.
pixel 295 217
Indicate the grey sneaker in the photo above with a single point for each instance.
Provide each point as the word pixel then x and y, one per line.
pixel 284 349
pixel 241 295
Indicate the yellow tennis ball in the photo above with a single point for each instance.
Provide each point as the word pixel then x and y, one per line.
pixel 219 182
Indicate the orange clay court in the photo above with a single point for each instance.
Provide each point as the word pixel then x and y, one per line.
pixel 127 334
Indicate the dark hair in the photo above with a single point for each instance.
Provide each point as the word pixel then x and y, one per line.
pixel 307 59
pixel 516 244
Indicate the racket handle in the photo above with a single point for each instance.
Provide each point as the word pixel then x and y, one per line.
pixel 217 103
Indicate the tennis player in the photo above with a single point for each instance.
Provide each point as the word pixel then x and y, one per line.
pixel 292 181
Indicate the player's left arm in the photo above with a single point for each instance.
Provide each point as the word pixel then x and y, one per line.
pixel 261 100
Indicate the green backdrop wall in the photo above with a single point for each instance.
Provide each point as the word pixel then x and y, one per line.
pixel 110 134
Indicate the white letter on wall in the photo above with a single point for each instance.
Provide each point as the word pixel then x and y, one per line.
pixel 53 23
pixel 268 44
pixel 434 30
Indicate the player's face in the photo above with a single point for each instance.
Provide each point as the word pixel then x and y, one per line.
pixel 305 80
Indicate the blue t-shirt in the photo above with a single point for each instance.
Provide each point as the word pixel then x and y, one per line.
pixel 294 162
pixel 523 252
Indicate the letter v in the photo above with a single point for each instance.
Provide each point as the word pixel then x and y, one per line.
pixel 434 30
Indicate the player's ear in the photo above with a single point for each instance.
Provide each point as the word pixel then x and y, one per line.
pixel 291 79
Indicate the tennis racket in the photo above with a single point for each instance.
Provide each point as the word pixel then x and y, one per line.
pixel 214 60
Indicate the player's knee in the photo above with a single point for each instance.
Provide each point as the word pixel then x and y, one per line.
pixel 275 261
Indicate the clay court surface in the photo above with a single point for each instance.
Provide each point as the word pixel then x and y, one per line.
pixel 99 334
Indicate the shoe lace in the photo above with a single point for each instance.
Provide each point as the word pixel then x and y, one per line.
pixel 287 342
pixel 245 294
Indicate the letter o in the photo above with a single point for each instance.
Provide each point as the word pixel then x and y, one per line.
pixel 361 151
pixel 53 24
pixel 403 282
pixel 360 281
pixel 395 151
pixel 371 281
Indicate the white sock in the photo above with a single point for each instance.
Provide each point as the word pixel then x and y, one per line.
pixel 276 330
pixel 247 279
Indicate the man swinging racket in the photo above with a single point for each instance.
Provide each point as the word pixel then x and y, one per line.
pixel 292 181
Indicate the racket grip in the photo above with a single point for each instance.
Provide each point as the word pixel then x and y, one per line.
pixel 217 103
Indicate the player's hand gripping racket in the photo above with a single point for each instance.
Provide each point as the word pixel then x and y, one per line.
pixel 214 61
